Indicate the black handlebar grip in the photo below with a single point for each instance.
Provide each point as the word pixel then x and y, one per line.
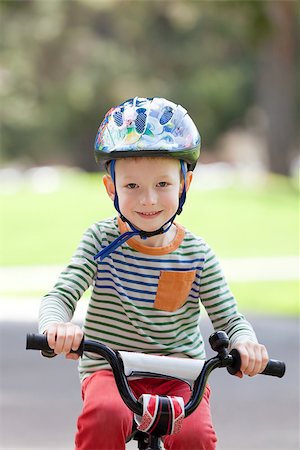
pixel 274 368
pixel 39 342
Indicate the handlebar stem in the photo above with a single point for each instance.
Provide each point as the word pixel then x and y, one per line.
pixel 200 384
pixel 223 359
pixel 118 370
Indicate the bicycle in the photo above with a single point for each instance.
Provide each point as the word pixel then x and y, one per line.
pixel 126 364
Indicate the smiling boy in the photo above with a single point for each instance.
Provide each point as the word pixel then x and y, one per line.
pixel 148 274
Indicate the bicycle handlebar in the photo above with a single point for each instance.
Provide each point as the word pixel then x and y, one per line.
pixel 224 359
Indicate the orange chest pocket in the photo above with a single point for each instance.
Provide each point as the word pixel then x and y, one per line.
pixel 173 289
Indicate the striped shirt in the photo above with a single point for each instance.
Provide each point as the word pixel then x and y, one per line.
pixel 144 299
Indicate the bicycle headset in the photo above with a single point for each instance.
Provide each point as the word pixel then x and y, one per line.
pixel 139 127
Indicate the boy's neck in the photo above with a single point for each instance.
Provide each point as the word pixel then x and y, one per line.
pixel 161 240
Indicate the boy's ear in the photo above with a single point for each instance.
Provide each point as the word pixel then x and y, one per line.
pixel 109 186
pixel 188 180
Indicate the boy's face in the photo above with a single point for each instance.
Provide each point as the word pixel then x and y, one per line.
pixel 148 190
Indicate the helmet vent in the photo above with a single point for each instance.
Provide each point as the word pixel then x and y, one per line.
pixel 140 121
pixel 118 118
pixel 166 116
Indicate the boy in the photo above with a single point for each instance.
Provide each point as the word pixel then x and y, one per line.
pixel 148 274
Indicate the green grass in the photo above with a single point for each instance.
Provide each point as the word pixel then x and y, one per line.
pixel 46 228
pixel 238 221
pixel 268 297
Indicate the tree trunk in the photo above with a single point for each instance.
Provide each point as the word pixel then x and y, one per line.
pixel 276 87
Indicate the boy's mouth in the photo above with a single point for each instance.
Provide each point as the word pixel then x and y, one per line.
pixel 148 215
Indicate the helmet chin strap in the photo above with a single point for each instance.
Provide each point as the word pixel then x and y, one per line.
pixel 135 231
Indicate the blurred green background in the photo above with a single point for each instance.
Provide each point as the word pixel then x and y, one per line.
pixel 233 65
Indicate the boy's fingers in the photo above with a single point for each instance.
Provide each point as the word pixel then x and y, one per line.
pixel 244 355
pixel 239 374
pixel 77 339
pixel 68 340
pixel 73 356
pixel 265 358
pixel 71 334
pixel 64 337
pixel 261 360
pixel 254 358
pixel 51 335
pixel 250 368
pixel 60 340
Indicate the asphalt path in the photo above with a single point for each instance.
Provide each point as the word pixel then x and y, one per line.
pixel 40 398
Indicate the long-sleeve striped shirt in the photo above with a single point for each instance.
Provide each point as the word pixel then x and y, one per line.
pixel 145 299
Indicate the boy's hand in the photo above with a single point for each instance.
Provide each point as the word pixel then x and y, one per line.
pixel 254 358
pixel 64 337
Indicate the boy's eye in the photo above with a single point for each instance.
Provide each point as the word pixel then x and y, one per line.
pixel 163 184
pixel 131 185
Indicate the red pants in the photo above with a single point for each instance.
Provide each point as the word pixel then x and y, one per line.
pixel 105 421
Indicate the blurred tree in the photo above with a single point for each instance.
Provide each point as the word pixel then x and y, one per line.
pixel 276 83
pixel 65 63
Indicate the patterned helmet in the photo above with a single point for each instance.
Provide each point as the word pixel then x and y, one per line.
pixel 148 127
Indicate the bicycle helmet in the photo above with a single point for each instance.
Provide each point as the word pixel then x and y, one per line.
pixel 146 127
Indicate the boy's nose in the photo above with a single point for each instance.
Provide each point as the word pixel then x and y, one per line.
pixel 148 197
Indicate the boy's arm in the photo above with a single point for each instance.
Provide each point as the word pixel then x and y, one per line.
pixel 222 309
pixel 60 303
pixel 58 306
